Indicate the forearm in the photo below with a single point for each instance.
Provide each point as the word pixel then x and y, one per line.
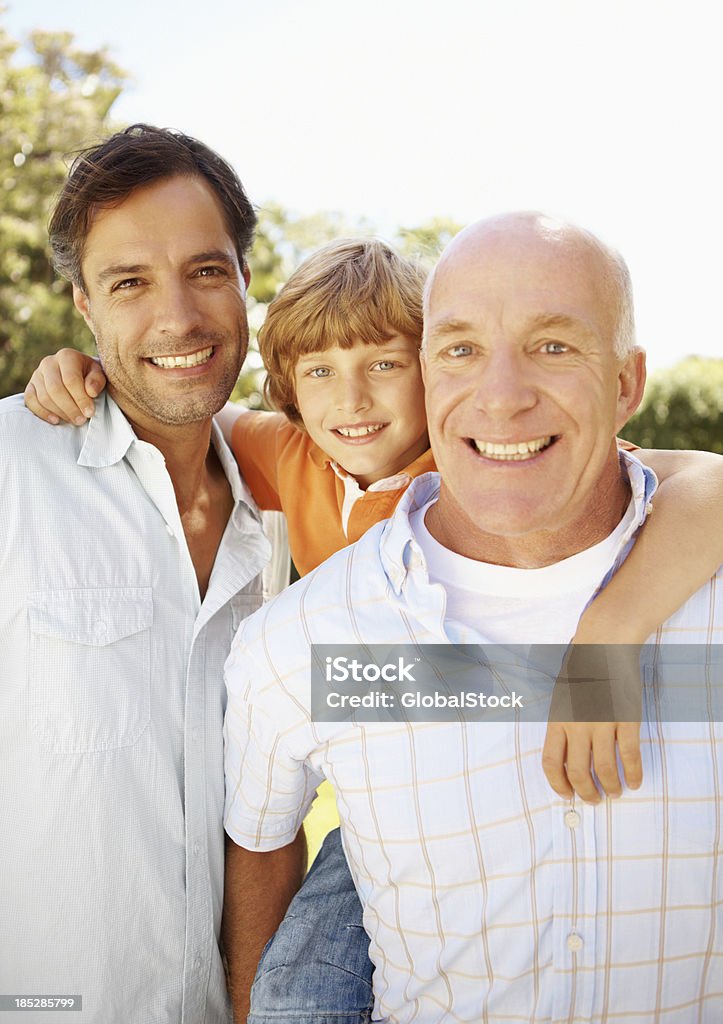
pixel 677 551
pixel 258 890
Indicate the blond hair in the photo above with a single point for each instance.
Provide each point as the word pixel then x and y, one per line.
pixel 350 290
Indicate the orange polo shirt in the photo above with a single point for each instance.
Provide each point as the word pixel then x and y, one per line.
pixel 325 507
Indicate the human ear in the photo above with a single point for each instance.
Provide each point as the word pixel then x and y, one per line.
pixel 631 384
pixel 82 304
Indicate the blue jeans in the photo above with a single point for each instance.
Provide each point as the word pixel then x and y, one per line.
pixel 316 968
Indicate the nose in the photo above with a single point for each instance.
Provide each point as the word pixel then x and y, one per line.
pixel 504 385
pixel 177 309
pixel 352 394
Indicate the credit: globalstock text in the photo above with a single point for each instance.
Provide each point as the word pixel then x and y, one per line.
pixel 412 699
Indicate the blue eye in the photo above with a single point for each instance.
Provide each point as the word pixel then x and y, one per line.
pixel 458 351
pixel 554 348
pixel 385 364
pixel 320 372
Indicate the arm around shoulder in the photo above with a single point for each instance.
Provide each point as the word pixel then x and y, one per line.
pixel 677 551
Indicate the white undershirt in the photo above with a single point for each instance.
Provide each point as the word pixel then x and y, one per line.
pixel 518 606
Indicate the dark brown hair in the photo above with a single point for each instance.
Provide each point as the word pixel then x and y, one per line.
pixel 104 175
pixel 354 289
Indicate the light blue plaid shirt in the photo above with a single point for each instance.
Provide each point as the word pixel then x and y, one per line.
pixel 487 898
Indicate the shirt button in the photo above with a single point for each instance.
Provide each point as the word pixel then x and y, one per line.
pixel 194 734
pixel 574 942
pixel 198 964
pixel 572 819
pixel 196 849
pixel 101 630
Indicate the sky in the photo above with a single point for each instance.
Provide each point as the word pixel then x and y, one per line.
pixel 401 110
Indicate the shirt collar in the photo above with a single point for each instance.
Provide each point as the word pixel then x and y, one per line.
pixel 400 555
pixel 241 494
pixel 110 436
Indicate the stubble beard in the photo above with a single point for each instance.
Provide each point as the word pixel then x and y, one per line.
pixel 177 408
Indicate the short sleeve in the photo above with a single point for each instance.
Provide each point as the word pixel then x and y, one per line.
pixel 270 786
pixel 255 441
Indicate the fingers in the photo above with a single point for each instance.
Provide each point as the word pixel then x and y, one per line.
pixel 566 756
pixel 629 747
pixel 578 767
pixel 605 758
pixel 95 381
pixel 582 757
pixel 74 378
pixel 46 412
pixel 62 386
pixel 553 759
pixel 51 395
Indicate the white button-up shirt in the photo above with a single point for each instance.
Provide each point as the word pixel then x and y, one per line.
pixel 111 711
pixel 487 897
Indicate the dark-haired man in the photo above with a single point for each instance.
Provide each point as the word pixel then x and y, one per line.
pixel 130 551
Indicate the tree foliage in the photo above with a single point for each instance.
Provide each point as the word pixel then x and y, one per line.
pixel 54 98
pixel 682 408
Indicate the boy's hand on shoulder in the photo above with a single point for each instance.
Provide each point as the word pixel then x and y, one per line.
pixel 597 684
pixel 63 387
pixel 573 751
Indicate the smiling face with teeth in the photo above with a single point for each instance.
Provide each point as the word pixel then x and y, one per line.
pixel 525 392
pixel 364 406
pixel 165 299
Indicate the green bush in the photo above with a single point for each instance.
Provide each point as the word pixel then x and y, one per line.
pixel 682 408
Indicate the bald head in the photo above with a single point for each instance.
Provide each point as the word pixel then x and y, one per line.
pixel 549 237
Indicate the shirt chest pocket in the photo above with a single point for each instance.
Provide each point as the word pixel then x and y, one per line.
pixel 89 667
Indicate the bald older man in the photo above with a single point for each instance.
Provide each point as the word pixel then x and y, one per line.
pixel 485 896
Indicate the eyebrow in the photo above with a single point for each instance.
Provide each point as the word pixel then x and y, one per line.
pixel 121 270
pixel 214 256
pixel 129 269
pixel 450 325
pixel 380 351
pixel 545 320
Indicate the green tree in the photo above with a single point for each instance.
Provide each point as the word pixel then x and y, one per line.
pixel 54 99
pixel 682 408
pixel 427 240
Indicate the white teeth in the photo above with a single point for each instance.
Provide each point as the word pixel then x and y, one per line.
pixel 511 452
pixel 359 431
pixel 194 359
